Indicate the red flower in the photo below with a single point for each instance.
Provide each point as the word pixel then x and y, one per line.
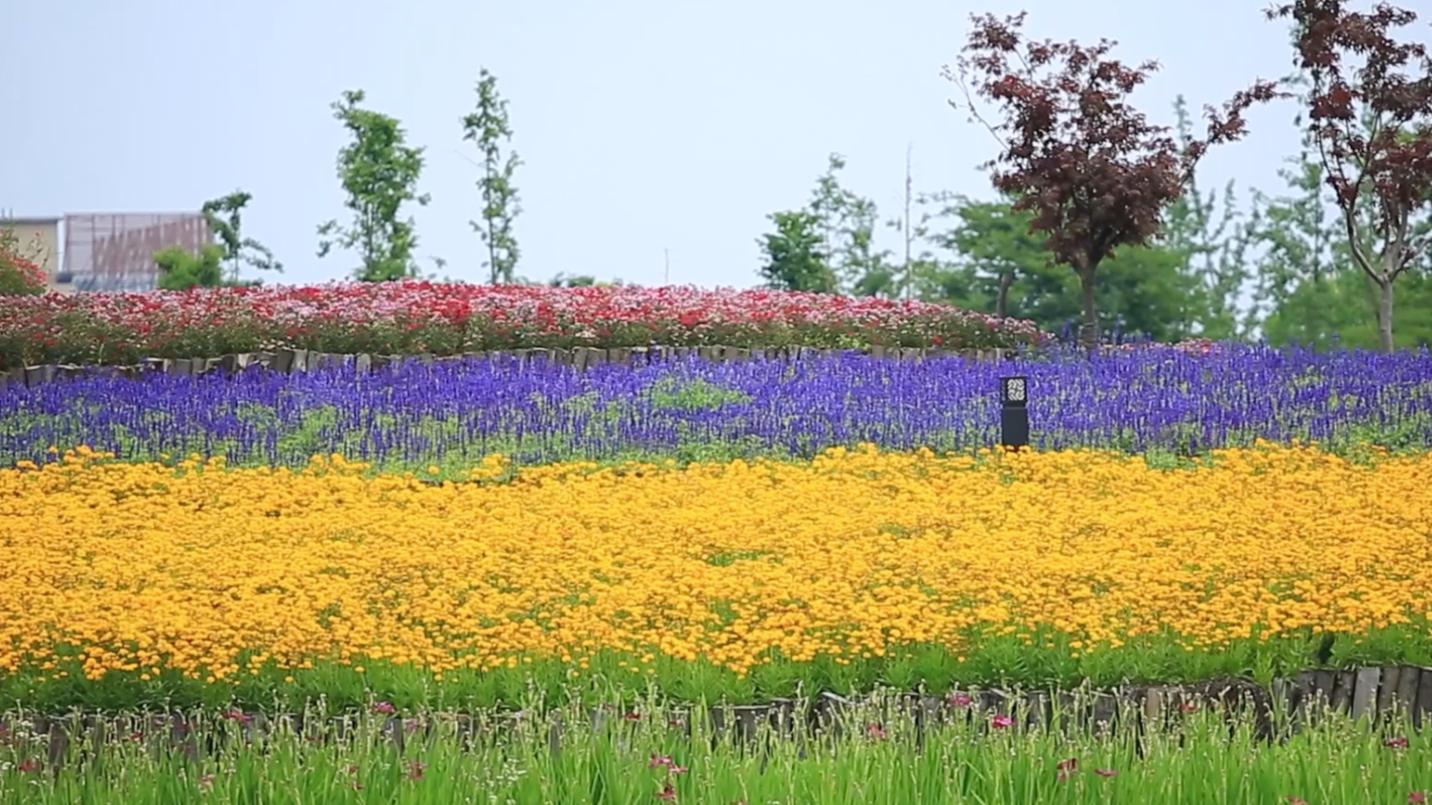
pixel 384 708
pixel 28 765
pixel 1416 798
pixel 1398 742
pixel 960 700
pixel 1105 772
pixel 415 770
pixel 1001 722
pixel 876 732
pixel 667 794
pixel 1072 764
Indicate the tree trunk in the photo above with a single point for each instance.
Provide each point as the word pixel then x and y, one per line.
pixel 1089 333
pixel 1384 315
pixel 1001 302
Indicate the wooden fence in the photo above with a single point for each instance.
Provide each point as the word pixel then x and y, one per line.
pixel 301 360
pixel 1374 695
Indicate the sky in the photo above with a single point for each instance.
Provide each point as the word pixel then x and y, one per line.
pixel 646 128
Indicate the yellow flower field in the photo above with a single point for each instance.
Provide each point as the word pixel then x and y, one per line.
pixel 148 567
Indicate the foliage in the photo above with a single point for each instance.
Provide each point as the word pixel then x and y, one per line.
pixel 1093 171
pixel 830 245
pixel 379 172
pixel 1213 249
pixel 794 257
pixel 223 217
pixel 573 281
pixel 878 751
pixel 20 273
pixel 180 269
pixel 847 222
pixel 1372 125
pixel 1146 290
pixel 487 127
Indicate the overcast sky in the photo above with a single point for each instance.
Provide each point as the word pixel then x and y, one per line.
pixel 644 125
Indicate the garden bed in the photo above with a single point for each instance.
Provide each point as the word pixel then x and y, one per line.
pixel 413 318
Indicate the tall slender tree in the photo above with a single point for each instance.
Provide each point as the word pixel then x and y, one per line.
pixel 223 217
pixel 1372 124
pixel 1211 238
pixel 847 222
pixel 488 127
pixel 379 172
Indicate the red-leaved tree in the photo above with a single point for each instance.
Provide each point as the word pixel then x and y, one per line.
pixel 1372 123
pixel 1091 170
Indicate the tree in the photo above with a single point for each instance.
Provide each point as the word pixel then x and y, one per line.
pixel 1094 172
pixel 1372 126
pixel 1144 290
pixel 379 172
pixel 222 216
pixel 995 239
pixel 1213 248
pixel 488 127
pixel 1310 290
pixel 795 260
pixel 847 224
pixel 574 281
pixel 180 269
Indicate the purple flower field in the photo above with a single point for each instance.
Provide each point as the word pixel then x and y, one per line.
pixel 1151 401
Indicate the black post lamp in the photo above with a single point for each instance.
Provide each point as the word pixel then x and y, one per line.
pixel 1013 413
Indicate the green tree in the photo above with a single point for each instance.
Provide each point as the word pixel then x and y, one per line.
pixel 572 281
pixel 180 269
pixel 933 270
pixel 223 218
pixel 1309 288
pixel 1213 245
pixel 847 222
pixel 795 260
pixel 488 127
pixel 379 172
pixel 1009 272
pixel 996 243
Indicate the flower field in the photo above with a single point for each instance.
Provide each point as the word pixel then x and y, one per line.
pixel 411 416
pixel 410 317
pixel 477 536
pixel 714 578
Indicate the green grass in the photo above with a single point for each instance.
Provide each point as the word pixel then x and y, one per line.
pixel 990 660
pixel 879 756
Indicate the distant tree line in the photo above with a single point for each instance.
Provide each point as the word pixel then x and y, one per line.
pixel 1098 226
pixel 1085 185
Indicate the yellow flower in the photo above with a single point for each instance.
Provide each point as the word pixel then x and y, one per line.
pixel 855 553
